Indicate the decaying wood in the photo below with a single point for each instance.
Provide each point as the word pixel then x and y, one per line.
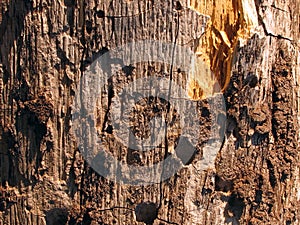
pixel 251 46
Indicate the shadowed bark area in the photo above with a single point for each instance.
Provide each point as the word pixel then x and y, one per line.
pixel 46 48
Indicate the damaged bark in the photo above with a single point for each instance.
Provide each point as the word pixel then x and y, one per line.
pixel 251 46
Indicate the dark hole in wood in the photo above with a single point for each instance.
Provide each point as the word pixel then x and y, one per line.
pixel 222 184
pixel 100 14
pixel 178 5
pixel 57 216
pixel 128 69
pixel 235 207
pixel 146 212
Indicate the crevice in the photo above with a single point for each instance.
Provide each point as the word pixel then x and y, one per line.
pixel 267 33
pixel 278 36
pixel 275 7
pixel 272 177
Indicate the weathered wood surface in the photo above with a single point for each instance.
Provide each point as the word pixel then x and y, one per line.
pixel 45 47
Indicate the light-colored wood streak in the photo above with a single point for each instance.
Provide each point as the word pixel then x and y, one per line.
pixel 232 22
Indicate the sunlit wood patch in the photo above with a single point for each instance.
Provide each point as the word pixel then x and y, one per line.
pixel 195 92
pixel 201 82
pixel 231 24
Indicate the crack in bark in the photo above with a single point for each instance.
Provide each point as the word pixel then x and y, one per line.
pixel 267 33
pixel 275 7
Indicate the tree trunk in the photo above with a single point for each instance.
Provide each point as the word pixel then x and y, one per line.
pixel 50 174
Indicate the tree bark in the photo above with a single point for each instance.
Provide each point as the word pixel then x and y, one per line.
pixel 251 46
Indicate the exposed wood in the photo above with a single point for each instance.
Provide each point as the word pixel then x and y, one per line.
pixel 251 46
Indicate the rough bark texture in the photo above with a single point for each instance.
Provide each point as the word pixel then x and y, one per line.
pixel 47 45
